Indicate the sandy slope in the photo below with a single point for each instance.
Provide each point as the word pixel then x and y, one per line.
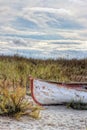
pixel 52 118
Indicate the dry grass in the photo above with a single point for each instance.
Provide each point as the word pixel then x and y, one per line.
pixel 13 102
pixel 18 68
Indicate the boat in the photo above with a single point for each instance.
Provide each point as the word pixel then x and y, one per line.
pixel 50 92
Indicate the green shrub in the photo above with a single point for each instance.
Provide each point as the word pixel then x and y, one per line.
pixel 77 105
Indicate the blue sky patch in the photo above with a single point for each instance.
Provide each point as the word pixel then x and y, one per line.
pixel 21 23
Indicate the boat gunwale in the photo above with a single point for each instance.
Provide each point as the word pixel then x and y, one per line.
pixel 63 83
pixel 74 85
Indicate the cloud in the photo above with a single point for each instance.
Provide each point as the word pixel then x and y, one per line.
pixel 43 27
pixel 44 49
pixel 43 17
pixel 48 22
pixel 49 10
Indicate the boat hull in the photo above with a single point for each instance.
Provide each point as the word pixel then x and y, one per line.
pixel 47 93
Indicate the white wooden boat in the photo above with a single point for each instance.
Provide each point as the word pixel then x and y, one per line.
pixel 47 92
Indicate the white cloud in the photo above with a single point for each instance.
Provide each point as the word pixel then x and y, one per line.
pixel 63 20
pixel 50 10
pixel 45 49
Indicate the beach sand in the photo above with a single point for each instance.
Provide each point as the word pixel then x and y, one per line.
pixel 52 118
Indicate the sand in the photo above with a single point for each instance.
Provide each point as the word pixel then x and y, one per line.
pixel 52 118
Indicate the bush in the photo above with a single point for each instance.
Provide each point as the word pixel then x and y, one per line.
pixel 13 102
pixel 77 105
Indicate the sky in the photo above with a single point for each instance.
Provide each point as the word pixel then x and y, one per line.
pixel 44 28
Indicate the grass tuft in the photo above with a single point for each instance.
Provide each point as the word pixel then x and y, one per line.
pixel 77 105
pixel 13 102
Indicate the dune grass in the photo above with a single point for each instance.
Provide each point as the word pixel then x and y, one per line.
pixel 62 70
pixel 13 101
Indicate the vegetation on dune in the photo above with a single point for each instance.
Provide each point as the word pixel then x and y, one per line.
pixel 77 105
pixel 13 102
pixel 19 68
